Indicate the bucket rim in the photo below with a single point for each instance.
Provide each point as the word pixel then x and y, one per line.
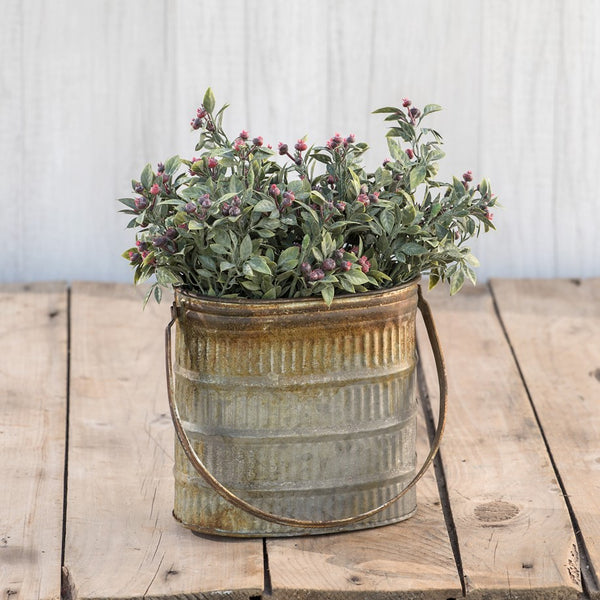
pixel 183 295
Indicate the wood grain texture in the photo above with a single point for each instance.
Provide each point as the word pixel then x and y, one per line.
pixel 122 541
pixel 554 329
pixel 411 559
pixel 33 403
pixel 512 525
pixel 91 91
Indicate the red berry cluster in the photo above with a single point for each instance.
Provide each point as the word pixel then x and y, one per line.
pixel 300 146
pixel 198 120
pixel 233 209
pixel 282 201
pixel 191 208
pixel 137 257
pixel 364 263
pixel 331 264
pixel 337 141
pixel 366 198
pixel 243 146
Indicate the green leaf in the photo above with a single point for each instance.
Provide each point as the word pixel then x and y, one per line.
pixel 387 220
pixel 264 206
pixel 147 176
pixel 328 292
pixel 130 202
pixel 305 243
pixel 288 259
pixel 355 182
pixel 250 180
pixel 260 265
pixel 149 293
pixel 361 217
pixel 253 286
pixel 458 186
pixel 470 273
pixel 396 151
pixel 322 158
pixel 219 249
pixel 430 108
pixel 346 285
pixel 265 233
pixel 225 266
pixel 172 164
pixel 412 249
pixel 379 275
pixel 166 277
pixel 209 100
pixel 417 176
pixel 263 152
pixel 387 109
pixel 191 193
pixel 471 259
pixel 355 276
pixel 433 132
pixel 436 154
pixel 245 248
pixel 435 209
pixel 383 177
pixel 142 273
pixel 318 254
pixel 205 273
pixel 403 130
pixel 299 186
pixel 456 281
pixel 433 280
pixel 317 198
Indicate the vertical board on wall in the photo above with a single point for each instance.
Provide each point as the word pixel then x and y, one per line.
pixel 92 91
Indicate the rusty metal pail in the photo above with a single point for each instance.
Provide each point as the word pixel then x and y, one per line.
pixel 295 418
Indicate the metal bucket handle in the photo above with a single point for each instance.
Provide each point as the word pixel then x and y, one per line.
pixel 283 520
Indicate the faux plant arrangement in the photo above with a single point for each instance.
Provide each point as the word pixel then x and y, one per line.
pixel 292 393
pixel 237 221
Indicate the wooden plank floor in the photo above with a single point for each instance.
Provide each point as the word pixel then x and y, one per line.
pixel 512 509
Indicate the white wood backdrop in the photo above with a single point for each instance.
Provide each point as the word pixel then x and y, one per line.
pixel 90 90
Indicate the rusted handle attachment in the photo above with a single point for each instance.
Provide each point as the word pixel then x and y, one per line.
pixel 290 521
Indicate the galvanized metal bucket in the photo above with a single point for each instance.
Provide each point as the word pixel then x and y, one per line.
pixel 295 418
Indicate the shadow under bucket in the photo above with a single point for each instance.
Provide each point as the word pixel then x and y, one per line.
pixel 295 418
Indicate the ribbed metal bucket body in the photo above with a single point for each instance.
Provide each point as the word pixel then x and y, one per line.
pixel 303 410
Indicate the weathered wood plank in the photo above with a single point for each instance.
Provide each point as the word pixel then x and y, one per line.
pixel 513 528
pixel 122 541
pixel 411 559
pixel 33 402
pixel 554 329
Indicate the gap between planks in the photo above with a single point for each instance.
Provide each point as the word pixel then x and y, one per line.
pixel 63 579
pixel 549 297
pixel 440 475
pixel 588 581
pixel 32 422
pixel 121 538
pixel 495 462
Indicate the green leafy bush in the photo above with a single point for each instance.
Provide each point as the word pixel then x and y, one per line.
pixel 237 221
